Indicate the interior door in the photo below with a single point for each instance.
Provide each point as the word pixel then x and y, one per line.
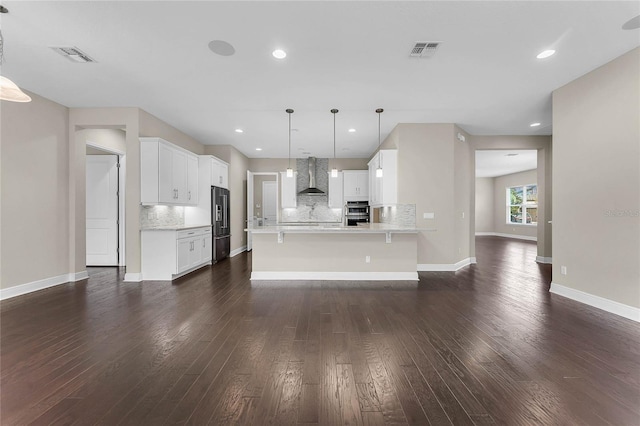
pixel 102 210
pixel 270 201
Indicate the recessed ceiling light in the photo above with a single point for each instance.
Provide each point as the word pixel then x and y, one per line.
pixel 258 149
pixel 352 130
pixel 534 124
pixel 545 54
pixel 222 48
pixel 239 131
pixel 279 54
pixel 632 24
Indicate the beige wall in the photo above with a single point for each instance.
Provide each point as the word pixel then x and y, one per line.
pixel 500 184
pixel 113 140
pixel 280 164
pixel 596 186
pixel 463 180
pixel 543 145
pixel 34 209
pixel 484 205
pixel 151 126
pixel 238 166
pixel 426 168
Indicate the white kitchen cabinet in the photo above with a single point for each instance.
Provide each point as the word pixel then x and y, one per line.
pixel 336 199
pixel 289 193
pixel 169 253
pixel 168 173
pixel 356 185
pixel 192 180
pixel 219 173
pixel 384 190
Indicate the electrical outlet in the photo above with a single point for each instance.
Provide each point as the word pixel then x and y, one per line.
pixel 367 259
pixel 563 270
pixel 463 215
pixel 459 250
pixel 428 215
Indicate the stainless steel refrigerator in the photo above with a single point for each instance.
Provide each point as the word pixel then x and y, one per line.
pixel 220 221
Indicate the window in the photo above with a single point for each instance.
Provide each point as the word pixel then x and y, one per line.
pixel 522 205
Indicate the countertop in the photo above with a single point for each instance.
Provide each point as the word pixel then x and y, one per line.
pixel 305 228
pixel 175 227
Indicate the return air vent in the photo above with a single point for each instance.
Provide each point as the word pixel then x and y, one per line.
pixel 73 54
pixel 424 49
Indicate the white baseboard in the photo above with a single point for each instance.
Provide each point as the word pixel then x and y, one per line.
pixel 444 267
pixel 498 234
pixel 541 259
pixel 21 289
pixel 237 251
pixel 133 277
pixel 617 308
pixel 334 276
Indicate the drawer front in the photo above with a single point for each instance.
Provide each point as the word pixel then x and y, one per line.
pixel 187 233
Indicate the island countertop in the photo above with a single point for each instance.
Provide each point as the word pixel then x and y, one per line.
pixel 324 228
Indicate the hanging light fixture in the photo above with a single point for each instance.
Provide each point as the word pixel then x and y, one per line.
pixel 379 169
pixel 334 170
pixel 289 169
pixel 9 91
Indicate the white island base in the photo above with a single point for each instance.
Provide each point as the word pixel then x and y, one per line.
pixel 334 255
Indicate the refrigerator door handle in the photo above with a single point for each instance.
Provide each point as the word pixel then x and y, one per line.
pixel 225 211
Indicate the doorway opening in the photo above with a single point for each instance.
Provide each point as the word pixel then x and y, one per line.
pixel 506 193
pixel 262 200
pixel 105 189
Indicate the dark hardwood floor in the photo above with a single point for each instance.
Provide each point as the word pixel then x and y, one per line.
pixel 488 344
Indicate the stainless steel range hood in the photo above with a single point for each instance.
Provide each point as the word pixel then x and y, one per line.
pixel 312 190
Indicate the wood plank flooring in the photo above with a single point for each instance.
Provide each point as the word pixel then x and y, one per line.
pixel 486 345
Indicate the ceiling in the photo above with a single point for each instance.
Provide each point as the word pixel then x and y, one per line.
pixel 353 56
pixel 502 162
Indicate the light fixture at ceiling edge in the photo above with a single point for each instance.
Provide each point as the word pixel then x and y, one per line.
pixel 379 169
pixel 9 91
pixel 334 170
pixel 289 169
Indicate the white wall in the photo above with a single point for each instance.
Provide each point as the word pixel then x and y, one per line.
pixel 484 205
pixel 34 210
pixel 596 185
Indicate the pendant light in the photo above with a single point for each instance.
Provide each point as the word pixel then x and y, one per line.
pixel 9 91
pixel 289 169
pixel 334 170
pixel 379 169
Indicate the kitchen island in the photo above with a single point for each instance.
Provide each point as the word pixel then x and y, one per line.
pixel 334 252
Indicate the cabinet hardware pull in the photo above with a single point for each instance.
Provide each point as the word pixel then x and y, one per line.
pixel 189 194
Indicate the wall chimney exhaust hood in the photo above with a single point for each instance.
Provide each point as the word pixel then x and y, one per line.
pixel 312 190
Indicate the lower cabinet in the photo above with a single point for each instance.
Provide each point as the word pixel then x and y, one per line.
pixel 167 254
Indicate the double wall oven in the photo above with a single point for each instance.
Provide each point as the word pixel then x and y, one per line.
pixel 356 212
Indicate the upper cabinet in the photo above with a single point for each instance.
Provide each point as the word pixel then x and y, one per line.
pixel 168 173
pixel 336 200
pixel 219 173
pixel 356 185
pixel 289 193
pixel 384 189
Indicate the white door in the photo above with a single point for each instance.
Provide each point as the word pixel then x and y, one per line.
pixel 102 210
pixel 249 207
pixel 270 201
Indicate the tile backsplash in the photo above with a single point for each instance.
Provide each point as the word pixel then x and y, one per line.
pixel 154 216
pixel 400 215
pixel 312 208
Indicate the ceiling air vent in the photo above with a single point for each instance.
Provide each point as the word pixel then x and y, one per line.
pixel 424 49
pixel 73 54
